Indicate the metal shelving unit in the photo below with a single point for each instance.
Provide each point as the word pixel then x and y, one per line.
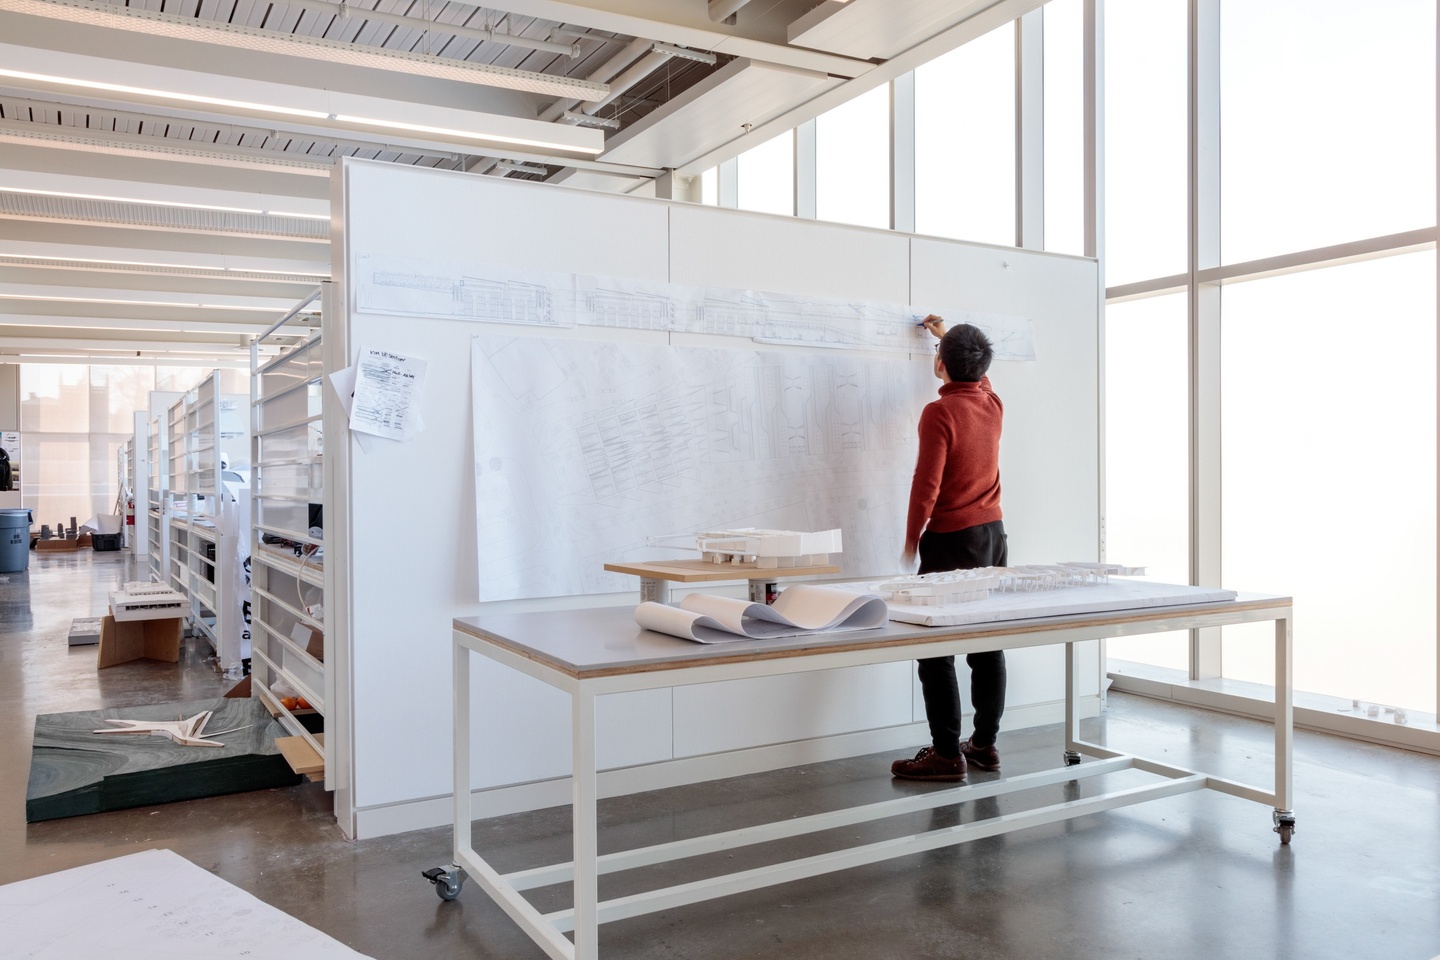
pixel 157 514
pixel 205 427
pixel 287 507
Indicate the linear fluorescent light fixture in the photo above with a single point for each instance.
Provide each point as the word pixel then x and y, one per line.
pixel 265 108
pixel 585 120
pixel 166 266
pixel 463 134
pixel 132 303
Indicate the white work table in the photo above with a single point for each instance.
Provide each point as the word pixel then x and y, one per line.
pixel 588 653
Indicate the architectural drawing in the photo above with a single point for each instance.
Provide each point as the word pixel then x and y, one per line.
pixel 496 294
pixel 586 451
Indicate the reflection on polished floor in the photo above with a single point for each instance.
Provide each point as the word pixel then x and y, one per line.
pixel 1196 876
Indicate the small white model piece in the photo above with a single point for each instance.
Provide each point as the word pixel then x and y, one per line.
pixel 1107 570
pixel 939 589
pixel 768 549
pixel 964 586
pixel 147 601
pixel 187 733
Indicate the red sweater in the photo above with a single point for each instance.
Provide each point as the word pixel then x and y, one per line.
pixel 957 472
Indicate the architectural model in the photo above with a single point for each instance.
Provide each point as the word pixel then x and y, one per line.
pixel 187 733
pixel 964 586
pixel 768 549
pixel 147 601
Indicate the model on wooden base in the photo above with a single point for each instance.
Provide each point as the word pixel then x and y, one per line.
pixel 187 733
pixel 768 549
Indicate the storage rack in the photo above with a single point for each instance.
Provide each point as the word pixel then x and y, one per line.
pixel 157 507
pixel 125 485
pixel 290 644
pixel 205 425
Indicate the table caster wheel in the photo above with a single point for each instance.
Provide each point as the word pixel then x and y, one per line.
pixel 448 882
pixel 1071 758
pixel 1284 824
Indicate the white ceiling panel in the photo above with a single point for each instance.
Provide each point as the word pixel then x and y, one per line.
pixel 878 29
pixel 714 112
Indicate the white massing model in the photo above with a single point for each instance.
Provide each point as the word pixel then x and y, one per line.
pixel 964 586
pixel 768 549
pixel 147 601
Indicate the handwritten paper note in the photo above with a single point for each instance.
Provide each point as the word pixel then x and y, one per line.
pixel 386 401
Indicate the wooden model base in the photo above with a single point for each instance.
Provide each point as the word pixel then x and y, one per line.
pixel 123 641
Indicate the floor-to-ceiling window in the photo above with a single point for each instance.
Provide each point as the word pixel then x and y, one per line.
pixel 965 141
pixel 852 161
pixel 1311 180
pixel 73 418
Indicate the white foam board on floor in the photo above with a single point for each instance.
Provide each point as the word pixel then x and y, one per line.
pixel 153 905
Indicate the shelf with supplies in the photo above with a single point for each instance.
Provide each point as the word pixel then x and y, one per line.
pixel 290 641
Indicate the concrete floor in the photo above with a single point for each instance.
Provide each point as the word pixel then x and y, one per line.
pixel 1195 876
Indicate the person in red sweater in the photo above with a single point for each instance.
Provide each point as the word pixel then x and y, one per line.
pixel 954 523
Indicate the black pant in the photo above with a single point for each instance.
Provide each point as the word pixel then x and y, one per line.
pixel 982 546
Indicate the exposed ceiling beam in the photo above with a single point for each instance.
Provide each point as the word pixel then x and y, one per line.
pixel 115 144
pixel 688 24
pixel 997 14
pixel 39 254
pixel 154 23
pixel 260 101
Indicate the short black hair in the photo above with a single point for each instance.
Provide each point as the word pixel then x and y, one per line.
pixel 966 353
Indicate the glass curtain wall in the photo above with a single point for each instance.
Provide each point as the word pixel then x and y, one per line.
pixel 1326 382
pixel 765 176
pixel 965 141
pixel 73 418
pixel 852 161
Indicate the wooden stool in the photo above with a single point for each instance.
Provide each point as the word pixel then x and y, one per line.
pixel 126 640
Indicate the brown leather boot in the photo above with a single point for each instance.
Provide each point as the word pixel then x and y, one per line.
pixel 981 758
pixel 929 765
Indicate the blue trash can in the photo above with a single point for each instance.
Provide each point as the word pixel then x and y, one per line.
pixel 14 540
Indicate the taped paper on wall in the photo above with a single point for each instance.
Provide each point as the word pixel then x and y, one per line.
pixel 497 294
pixel 585 451
pixel 345 383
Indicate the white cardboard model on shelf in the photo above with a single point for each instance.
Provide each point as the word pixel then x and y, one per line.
pixel 768 549
pixel 964 586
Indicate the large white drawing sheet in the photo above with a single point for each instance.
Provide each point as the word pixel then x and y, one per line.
pixel 148 906
pixel 801 609
pixel 584 450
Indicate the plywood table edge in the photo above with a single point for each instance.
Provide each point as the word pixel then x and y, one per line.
pixel 974 631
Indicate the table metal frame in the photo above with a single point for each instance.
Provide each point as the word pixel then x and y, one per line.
pixel 583 686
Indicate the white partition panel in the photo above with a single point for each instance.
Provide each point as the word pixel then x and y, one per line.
pixel 402 544
pixel 736 248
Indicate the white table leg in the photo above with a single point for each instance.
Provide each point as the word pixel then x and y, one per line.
pixel 1284 730
pixel 587 888
pixel 463 814
pixel 1072 713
